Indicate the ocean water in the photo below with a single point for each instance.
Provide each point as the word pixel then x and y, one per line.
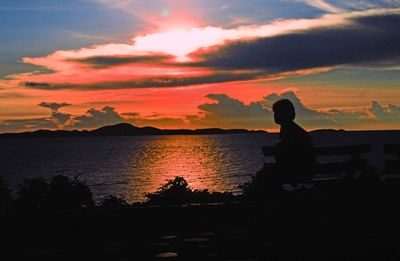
pixel 134 165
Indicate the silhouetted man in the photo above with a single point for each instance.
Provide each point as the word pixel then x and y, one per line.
pixel 295 158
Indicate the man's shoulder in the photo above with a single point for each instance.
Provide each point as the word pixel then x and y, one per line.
pixel 298 129
pixel 302 134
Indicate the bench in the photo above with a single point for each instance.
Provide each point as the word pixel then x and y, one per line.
pixel 340 168
pixel 391 167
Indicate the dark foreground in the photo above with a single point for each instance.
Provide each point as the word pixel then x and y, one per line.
pixel 300 225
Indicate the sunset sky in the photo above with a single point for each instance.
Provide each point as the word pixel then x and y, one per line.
pixel 82 64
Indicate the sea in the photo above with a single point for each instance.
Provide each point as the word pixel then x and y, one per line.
pixel 131 166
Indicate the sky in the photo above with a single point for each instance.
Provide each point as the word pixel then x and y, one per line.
pixel 83 64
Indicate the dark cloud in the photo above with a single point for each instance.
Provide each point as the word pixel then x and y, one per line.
pixel 364 39
pixel 27 124
pixel 385 114
pixel 232 113
pixel 222 112
pixel 53 106
pixel 319 119
pixel 107 116
pixel 36 85
pixel 150 82
pixel 59 118
pixel 95 118
pixel 100 62
pixel 130 114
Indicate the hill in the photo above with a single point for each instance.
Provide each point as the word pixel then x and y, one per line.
pixel 124 129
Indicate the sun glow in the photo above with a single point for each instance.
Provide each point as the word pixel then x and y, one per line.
pixel 179 43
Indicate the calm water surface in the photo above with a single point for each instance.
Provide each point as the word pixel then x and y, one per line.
pixel 134 165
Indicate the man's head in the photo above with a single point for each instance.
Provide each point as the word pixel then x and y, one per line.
pixel 283 111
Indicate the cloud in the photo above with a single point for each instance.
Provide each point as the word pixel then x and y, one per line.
pixel 222 112
pixel 368 37
pixel 26 125
pixel 363 5
pixel 93 118
pixel 214 55
pixel 53 106
pixel 59 118
pixel 36 85
pixel 96 118
pixel 98 62
pixel 79 35
pixel 232 113
pixel 130 114
pixel 323 5
pixel 149 82
pixel 385 114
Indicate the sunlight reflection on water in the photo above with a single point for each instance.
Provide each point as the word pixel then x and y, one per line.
pixel 205 161
pixel 132 166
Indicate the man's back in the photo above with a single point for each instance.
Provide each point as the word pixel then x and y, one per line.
pixel 295 159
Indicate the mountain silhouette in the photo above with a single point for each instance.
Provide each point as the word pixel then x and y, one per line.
pixel 125 129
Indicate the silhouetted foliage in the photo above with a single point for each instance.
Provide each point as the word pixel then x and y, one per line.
pixel 32 195
pixel 61 193
pixel 251 188
pixel 258 188
pixel 112 201
pixel 64 193
pixel 177 191
pixel 5 197
pixel 174 191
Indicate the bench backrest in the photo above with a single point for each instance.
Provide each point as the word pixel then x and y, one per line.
pixel 348 166
pixel 391 149
pixel 355 151
pixel 392 166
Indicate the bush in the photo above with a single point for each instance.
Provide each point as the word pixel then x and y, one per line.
pixel 260 187
pixel 112 201
pixel 64 193
pixel 32 195
pixel 61 193
pixel 177 191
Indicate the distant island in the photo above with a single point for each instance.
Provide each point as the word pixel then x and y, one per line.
pixel 125 129
pixel 327 131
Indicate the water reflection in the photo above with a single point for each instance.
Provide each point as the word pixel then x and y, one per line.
pixel 133 165
pixel 201 160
